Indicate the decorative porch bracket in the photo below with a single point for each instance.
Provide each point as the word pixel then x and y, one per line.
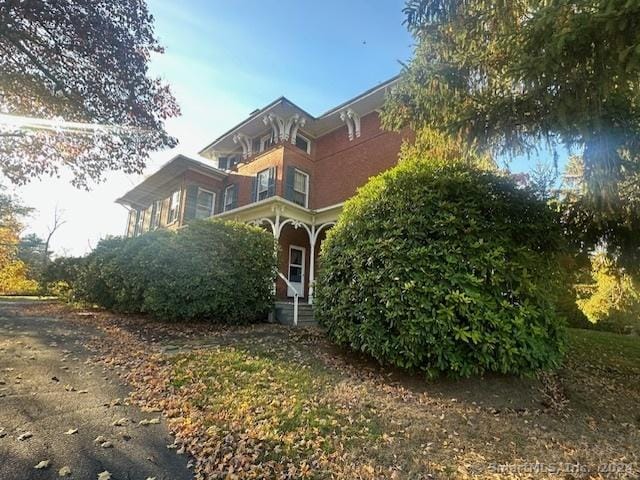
pixel 313 232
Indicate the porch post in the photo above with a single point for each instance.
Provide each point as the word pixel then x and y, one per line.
pixel 313 238
pixel 312 261
pixel 276 235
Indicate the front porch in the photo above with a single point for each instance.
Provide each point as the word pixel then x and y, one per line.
pixel 299 233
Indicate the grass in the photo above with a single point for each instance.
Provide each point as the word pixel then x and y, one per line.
pixel 300 402
pixel 290 406
pixel 23 298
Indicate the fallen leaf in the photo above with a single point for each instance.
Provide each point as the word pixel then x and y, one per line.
pixel 153 421
pixel 104 476
pixel 25 435
pixel 120 423
pixel 71 431
pixel 43 464
pixel 64 472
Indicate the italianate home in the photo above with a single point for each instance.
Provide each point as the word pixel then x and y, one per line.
pixel 281 168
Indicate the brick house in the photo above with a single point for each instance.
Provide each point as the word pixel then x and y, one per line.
pixel 281 168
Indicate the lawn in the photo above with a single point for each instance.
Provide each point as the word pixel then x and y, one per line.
pixel 291 404
pixel 267 401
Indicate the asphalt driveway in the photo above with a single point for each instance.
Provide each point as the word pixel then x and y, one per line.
pixel 59 408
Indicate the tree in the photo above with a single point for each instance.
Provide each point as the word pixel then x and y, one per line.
pixel 543 179
pixel 13 271
pixel 11 211
pixel 58 221
pixel 510 76
pixel 31 251
pixel 85 61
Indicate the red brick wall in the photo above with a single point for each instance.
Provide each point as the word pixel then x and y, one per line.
pixel 341 165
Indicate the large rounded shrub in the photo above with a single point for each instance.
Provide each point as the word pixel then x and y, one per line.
pixel 443 269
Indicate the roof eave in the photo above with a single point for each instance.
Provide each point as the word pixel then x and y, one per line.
pixel 130 198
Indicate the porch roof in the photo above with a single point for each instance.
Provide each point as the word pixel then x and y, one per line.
pixel 272 206
pixel 141 194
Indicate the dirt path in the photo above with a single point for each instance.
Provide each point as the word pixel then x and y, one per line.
pixel 49 388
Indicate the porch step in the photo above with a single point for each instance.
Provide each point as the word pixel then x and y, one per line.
pixel 284 314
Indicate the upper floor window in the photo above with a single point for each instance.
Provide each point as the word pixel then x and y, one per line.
pixel 156 210
pixel 230 198
pixel 303 143
pixel 265 184
pixel 301 188
pixel 174 206
pixel 204 203
pixel 227 162
pixel 266 142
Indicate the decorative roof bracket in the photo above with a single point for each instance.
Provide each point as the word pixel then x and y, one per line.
pixel 352 119
pixel 245 143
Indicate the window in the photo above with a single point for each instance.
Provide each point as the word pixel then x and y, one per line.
pixel 174 206
pixel 266 142
pixel 230 198
pixel 156 210
pixel 139 223
pixel 227 162
pixel 303 143
pixel 262 184
pixel 301 188
pixel 204 203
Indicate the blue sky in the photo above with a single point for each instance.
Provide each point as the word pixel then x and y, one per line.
pixel 223 60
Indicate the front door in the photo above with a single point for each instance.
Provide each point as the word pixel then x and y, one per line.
pixel 296 270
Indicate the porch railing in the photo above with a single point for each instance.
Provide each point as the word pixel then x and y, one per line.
pixel 295 298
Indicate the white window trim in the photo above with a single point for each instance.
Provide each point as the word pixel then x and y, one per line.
pixel 305 138
pixel 178 205
pixel 213 201
pixel 227 189
pixel 306 194
pixel 267 171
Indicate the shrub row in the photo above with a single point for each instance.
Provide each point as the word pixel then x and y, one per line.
pixel 444 269
pixel 216 271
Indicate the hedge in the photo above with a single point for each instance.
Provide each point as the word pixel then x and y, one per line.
pixel 211 270
pixel 445 269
